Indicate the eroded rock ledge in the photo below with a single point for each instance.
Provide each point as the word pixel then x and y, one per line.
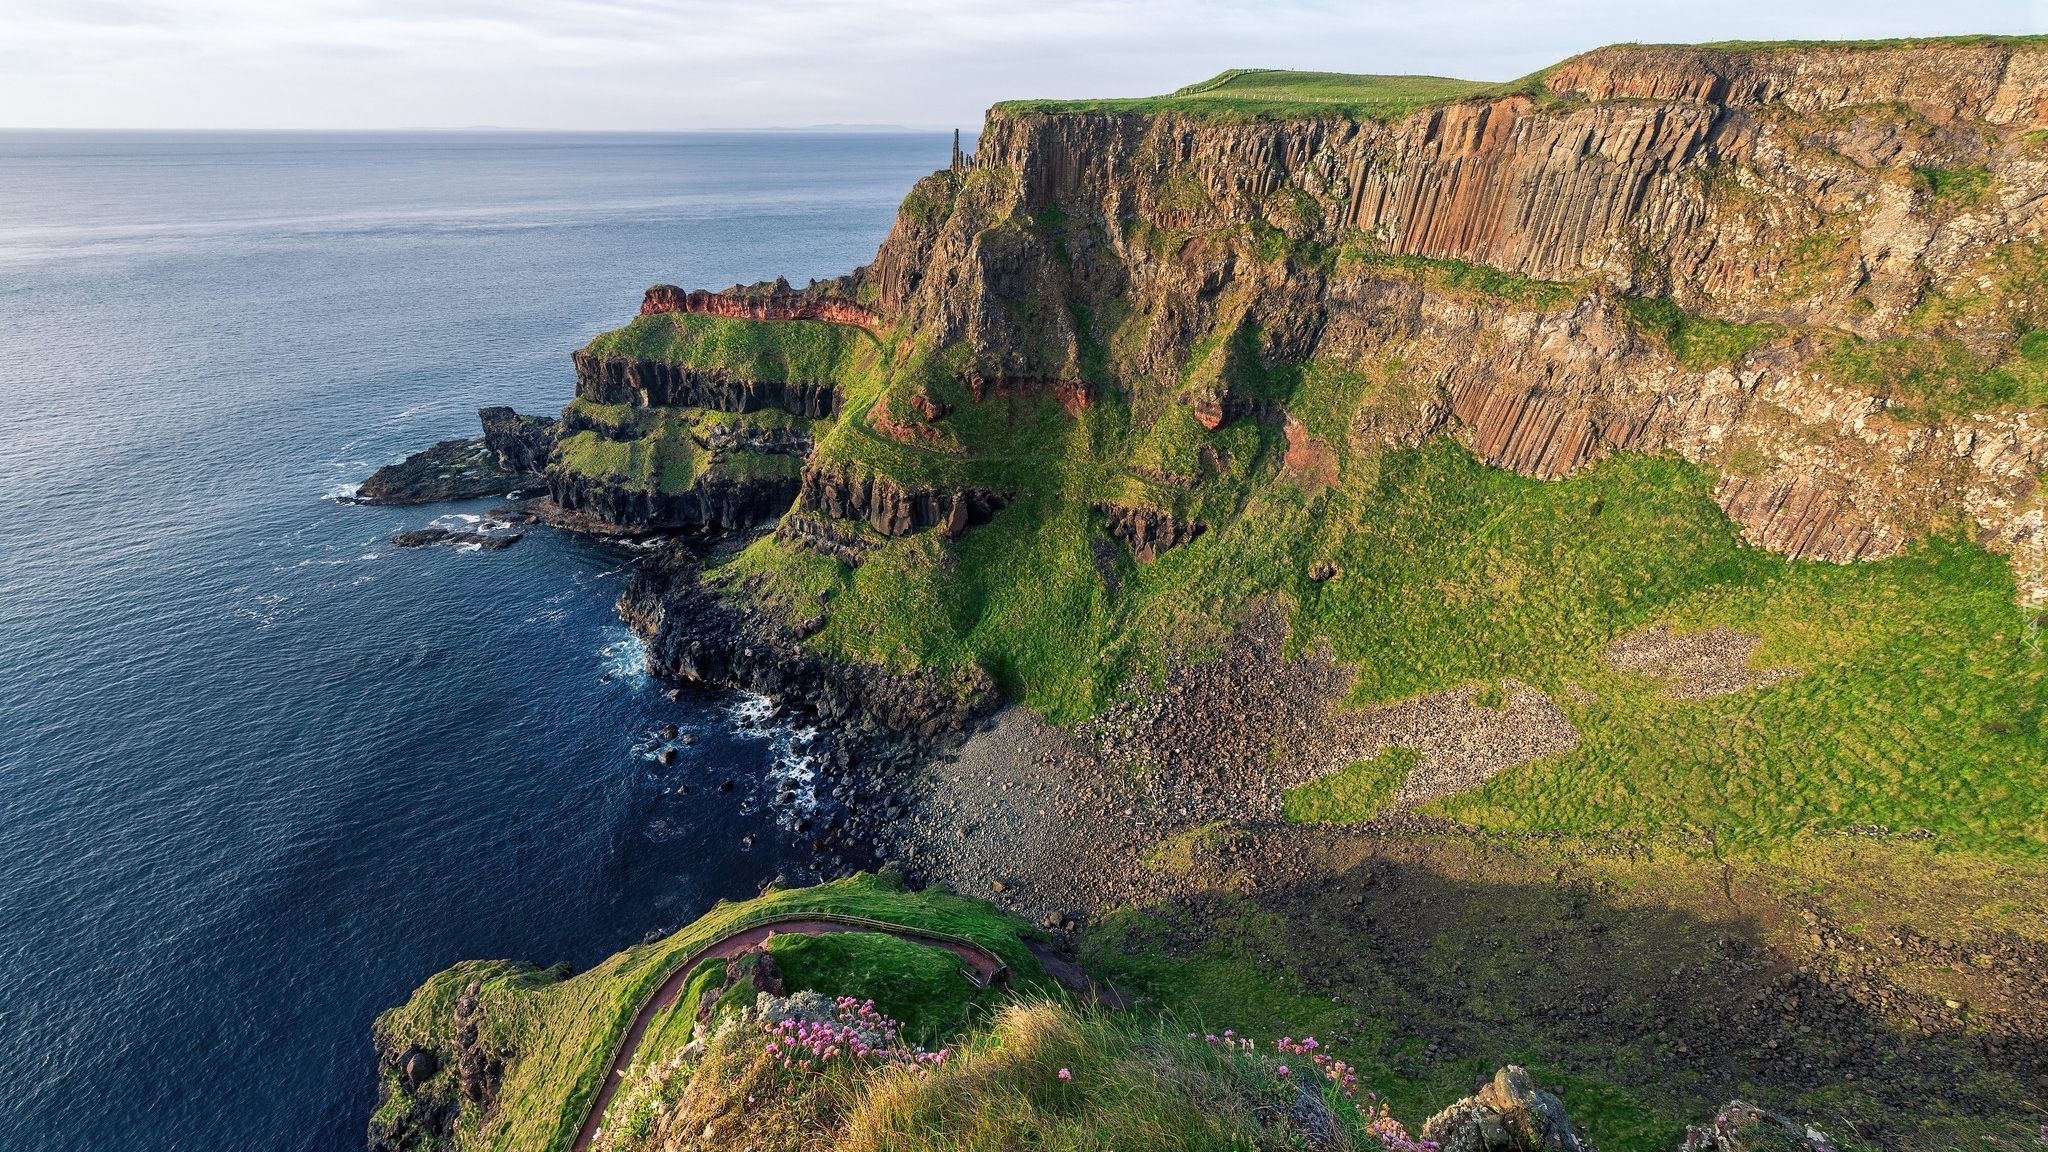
pixel 1148 531
pixel 692 635
pixel 892 509
pixel 774 305
pixel 662 384
pixel 711 502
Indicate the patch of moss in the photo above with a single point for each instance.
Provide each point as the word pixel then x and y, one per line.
pixel 1354 794
pixel 783 351
pixel 1954 188
pixel 922 986
pixel 1458 277
pixel 1697 343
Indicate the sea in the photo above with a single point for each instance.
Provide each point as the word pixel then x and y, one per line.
pixel 261 772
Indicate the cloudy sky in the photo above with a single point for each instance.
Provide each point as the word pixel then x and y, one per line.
pixel 679 64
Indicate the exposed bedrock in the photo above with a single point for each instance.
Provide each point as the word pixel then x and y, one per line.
pixel 662 384
pixel 892 509
pixel 1148 531
pixel 1785 187
pixel 691 635
pixel 521 443
pixel 450 470
pixel 711 502
pixel 773 305
pixel 1547 392
pixel 823 537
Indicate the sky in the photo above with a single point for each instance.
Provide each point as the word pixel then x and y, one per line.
pixel 733 64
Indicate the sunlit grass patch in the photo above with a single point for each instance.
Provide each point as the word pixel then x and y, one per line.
pixel 1355 793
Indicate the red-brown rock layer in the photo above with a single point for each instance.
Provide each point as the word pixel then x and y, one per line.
pixel 773 306
pixel 1074 395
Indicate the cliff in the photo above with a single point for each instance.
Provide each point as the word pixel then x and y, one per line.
pixel 1709 315
pixel 1845 204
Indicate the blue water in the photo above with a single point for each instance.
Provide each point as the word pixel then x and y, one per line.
pixel 260 772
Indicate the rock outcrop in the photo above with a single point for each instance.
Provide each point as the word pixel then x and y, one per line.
pixel 739 304
pixel 1743 1127
pixel 892 509
pixel 692 636
pixel 711 501
pixel 665 384
pixel 1511 1114
pixel 1785 187
pixel 823 537
pixel 1148 531
pixel 450 470
pixel 521 443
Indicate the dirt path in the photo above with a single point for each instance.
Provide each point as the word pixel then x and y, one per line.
pixel 986 965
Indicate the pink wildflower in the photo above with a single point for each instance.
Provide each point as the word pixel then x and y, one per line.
pixel 1066 1075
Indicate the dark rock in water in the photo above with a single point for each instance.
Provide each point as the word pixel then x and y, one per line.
pixel 421 537
pixel 521 512
pixel 725 787
pixel 450 470
pixel 1509 1115
pixel 418 1066
pixel 1741 1127
pixel 689 739
pixel 653 934
pixel 668 755
pixel 520 443
pixel 668 732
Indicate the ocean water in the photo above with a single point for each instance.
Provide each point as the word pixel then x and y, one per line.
pixel 262 773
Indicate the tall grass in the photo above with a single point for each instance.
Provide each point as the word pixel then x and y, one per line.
pixel 1129 1085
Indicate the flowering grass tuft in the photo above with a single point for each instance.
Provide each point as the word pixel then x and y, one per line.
pixel 859 1032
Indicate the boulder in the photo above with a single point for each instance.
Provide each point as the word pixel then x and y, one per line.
pixel 418 1065
pixel 1743 1127
pixel 1509 1115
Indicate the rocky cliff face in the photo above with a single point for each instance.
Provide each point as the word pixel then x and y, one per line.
pixel 664 384
pixel 1884 202
pixel 712 502
pixel 781 304
pixel 692 636
pixel 889 507
pixel 521 443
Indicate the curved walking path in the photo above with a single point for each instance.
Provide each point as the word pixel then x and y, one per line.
pixel 985 968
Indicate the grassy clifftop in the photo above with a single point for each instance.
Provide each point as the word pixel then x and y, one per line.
pixel 1265 93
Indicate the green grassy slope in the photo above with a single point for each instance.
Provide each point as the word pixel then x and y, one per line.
pixel 566 1030
pixel 1274 94
pixel 1918 706
pixel 800 351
